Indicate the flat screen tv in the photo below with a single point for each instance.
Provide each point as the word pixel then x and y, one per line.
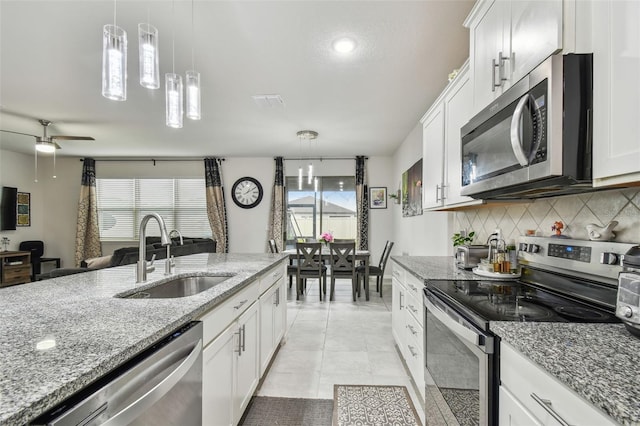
pixel 8 208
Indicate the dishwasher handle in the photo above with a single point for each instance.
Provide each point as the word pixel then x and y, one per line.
pixel 133 410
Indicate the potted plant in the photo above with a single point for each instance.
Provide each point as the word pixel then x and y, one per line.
pixel 395 196
pixel 462 238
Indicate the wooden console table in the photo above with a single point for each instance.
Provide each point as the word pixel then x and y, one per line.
pixel 15 267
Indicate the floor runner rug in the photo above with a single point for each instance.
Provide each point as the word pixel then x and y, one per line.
pixel 373 405
pixel 268 411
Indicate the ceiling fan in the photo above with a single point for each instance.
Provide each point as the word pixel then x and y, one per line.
pixel 46 143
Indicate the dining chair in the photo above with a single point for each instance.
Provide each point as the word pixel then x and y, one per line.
pixel 377 271
pixel 309 258
pixel 342 260
pixel 291 269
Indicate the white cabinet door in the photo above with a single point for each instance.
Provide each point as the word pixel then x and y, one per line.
pixel 536 33
pixel 433 157
pixel 512 413
pixel 458 112
pixel 267 338
pixel 487 41
pixel 616 92
pixel 280 312
pixel 218 377
pixel 247 373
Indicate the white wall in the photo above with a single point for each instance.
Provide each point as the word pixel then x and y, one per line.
pixel 429 233
pixel 55 201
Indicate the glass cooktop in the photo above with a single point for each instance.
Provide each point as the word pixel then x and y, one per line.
pixel 484 301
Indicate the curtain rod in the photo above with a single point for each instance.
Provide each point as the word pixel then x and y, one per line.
pixel 154 159
pixel 319 158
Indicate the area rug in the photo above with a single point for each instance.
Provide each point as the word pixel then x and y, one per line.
pixel 373 405
pixel 266 410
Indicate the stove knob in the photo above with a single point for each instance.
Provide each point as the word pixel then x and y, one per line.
pixel 607 258
pixel 626 312
pixel 533 248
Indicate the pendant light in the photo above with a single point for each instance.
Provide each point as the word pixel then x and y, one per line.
pixel 193 80
pixel 308 135
pixel 114 61
pixel 148 56
pixel 173 87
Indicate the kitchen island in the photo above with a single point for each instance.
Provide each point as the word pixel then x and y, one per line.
pixel 61 334
pixel 597 361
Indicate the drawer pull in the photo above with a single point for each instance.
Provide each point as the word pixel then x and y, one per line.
pixel 239 305
pixel 414 354
pixel 412 330
pixel 546 404
pixel 413 309
pixel 413 287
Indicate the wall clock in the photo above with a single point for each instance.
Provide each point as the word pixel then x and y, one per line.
pixel 246 192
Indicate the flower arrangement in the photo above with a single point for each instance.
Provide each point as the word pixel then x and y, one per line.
pixel 558 226
pixel 326 237
pixel 5 243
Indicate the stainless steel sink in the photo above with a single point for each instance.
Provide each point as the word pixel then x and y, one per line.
pixel 179 287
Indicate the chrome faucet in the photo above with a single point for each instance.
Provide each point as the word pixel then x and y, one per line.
pixel 170 263
pixel 143 266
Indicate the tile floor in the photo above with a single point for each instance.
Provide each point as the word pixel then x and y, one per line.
pixel 338 342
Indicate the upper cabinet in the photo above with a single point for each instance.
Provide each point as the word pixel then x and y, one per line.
pixel 616 92
pixel 507 40
pixel 441 158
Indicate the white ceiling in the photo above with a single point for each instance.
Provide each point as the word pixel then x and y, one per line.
pixel 365 103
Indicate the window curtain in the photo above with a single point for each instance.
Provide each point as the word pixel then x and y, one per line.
pixel 87 231
pixel 277 213
pixel 216 207
pixel 362 204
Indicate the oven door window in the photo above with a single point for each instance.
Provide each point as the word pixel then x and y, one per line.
pixel 457 374
pixel 488 150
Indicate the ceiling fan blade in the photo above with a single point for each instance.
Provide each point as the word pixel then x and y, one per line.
pixel 72 138
pixel 18 133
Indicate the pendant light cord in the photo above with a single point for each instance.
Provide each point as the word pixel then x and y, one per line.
pixel 115 10
pixel 193 41
pixel 173 37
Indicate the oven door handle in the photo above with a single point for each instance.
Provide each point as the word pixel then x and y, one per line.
pixel 459 329
pixel 516 142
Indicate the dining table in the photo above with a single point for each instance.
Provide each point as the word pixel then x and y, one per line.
pixel 325 254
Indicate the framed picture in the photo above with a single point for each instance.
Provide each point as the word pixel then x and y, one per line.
pixel 23 206
pixel 378 197
pixel 412 190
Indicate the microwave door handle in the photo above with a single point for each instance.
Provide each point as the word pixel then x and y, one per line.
pixel 516 143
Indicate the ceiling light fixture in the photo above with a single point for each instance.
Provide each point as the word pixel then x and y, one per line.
pixel 173 86
pixel 114 61
pixel 344 45
pixel 148 56
pixel 308 135
pixel 193 80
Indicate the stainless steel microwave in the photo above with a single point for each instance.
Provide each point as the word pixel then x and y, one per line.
pixel 535 139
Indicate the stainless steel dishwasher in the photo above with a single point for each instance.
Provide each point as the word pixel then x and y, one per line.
pixel 160 386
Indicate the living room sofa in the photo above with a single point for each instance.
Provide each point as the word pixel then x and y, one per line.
pixel 129 255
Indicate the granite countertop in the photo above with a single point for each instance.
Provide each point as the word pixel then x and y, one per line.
pixel 94 331
pixel 428 268
pixel 597 361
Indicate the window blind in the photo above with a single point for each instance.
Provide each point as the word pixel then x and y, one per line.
pixel 122 203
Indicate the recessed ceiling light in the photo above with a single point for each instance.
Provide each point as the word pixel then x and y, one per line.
pixel 344 45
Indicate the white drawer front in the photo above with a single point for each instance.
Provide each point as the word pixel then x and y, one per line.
pixel 534 388
pixel 398 272
pixel 414 307
pixel 414 285
pixel 219 318
pixel 268 278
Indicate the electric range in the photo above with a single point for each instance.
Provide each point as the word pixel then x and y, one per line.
pixel 562 280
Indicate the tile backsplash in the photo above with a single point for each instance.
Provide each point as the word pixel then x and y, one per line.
pixel 575 211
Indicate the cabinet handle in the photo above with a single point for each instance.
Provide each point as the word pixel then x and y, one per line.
pixel 239 350
pixel 493 75
pixel 437 190
pixel 413 309
pixel 401 296
pixel 412 287
pixel 239 305
pixel 244 335
pixel 412 330
pixel 414 354
pixel 501 61
pixel 546 404
pixel 276 300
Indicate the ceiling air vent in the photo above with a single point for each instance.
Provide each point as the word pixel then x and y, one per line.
pixel 268 101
